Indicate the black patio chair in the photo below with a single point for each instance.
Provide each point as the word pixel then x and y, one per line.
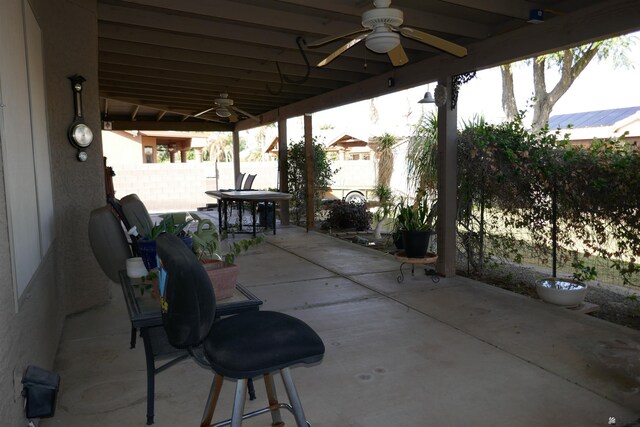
pixel 238 184
pixel 239 347
pixel 248 183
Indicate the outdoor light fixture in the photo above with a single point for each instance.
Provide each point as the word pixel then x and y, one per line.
pixel 223 112
pixel 536 16
pixel 383 41
pixel 428 99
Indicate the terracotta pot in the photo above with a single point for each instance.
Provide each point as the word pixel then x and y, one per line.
pixel 223 276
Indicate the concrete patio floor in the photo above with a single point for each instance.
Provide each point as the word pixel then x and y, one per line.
pixel 455 353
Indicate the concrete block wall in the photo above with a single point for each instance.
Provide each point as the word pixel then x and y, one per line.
pixel 165 187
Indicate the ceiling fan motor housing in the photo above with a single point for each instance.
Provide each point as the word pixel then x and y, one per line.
pixel 382 39
pixel 384 16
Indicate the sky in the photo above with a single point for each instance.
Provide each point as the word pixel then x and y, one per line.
pixel 599 87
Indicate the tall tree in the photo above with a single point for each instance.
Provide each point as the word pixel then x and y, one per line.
pixel 570 63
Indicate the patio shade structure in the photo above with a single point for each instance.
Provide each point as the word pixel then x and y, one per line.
pixel 164 62
pixel 155 64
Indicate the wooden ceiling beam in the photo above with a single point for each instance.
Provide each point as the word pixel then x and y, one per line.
pixel 194 58
pixel 154 38
pixel 180 105
pixel 251 15
pixel 107 84
pixel 209 71
pixel 190 99
pixel 195 26
pixel 512 8
pixel 204 126
pixel 182 83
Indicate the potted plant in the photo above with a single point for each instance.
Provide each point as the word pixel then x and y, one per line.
pixel 416 223
pixel 175 223
pixel 207 245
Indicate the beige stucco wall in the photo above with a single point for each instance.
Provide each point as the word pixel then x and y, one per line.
pixel 122 148
pixel 68 279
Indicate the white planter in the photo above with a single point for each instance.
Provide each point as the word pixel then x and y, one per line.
pixel 563 292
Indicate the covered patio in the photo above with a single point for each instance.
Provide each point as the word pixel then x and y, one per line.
pixel 455 353
pixel 458 352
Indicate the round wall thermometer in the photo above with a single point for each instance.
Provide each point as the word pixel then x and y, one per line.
pixel 79 134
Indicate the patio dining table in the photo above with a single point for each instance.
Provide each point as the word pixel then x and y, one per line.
pixel 225 197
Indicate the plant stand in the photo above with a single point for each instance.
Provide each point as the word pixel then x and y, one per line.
pixel 428 259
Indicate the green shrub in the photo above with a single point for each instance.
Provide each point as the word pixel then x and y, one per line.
pixel 344 215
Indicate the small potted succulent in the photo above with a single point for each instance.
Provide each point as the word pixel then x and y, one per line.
pixel 207 245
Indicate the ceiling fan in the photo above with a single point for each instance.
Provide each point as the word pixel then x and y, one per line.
pixel 382 27
pixel 224 108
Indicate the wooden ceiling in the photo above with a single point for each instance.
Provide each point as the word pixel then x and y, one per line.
pixel 163 61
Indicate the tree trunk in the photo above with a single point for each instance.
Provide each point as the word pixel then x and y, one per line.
pixel 544 101
pixel 509 105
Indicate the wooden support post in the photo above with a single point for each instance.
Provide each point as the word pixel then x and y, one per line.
pixel 283 169
pixel 447 185
pixel 236 156
pixel 310 172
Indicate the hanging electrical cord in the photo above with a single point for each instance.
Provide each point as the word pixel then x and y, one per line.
pixel 284 78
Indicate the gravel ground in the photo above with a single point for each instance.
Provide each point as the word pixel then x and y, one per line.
pixel 616 304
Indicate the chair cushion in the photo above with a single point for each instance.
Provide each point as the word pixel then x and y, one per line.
pixel 108 242
pixel 258 342
pixel 190 301
pixel 136 214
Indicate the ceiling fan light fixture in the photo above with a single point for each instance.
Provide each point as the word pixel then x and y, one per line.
pixel 382 41
pixel 223 112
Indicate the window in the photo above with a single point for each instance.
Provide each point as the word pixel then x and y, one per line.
pixel 25 147
pixel 148 154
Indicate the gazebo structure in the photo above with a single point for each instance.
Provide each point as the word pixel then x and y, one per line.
pixel 164 65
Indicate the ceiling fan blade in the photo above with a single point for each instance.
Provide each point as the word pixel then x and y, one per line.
pixel 398 56
pixel 204 112
pixel 434 41
pixel 251 116
pixel 329 39
pixel 233 117
pixel 341 50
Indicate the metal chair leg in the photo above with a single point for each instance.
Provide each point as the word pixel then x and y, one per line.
pixel 238 403
pixel 212 401
pixel 294 399
pixel 274 405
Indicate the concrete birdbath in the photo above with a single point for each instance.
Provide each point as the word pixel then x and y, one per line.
pixel 563 292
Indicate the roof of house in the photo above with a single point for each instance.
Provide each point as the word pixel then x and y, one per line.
pixel 591 119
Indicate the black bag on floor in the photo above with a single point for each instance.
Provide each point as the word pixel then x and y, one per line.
pixel 40 389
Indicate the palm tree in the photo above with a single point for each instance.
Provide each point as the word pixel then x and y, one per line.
pixel 422 157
